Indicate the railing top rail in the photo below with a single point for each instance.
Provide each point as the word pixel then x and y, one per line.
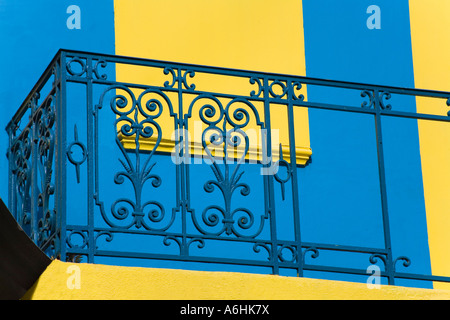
pixel 223 71
pixel 270 75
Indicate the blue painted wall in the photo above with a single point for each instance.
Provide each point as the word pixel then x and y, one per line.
pixel 339 46
pixel 31 32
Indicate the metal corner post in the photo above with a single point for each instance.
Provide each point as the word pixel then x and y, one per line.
pixel 60 156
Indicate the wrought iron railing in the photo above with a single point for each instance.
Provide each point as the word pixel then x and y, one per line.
pixel 104 164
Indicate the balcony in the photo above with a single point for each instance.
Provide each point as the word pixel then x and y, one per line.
pixel 130 161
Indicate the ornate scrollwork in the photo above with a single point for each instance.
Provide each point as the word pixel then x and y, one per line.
pixel 406 261
pixel 292 251
pixel 375 257
pixel 80 62
pixel 168 84
pixel 384 95
pixel 314 253
pixel 136 117
pixel 21 168
pixel 84 239
pixel 47 229
pixel 103 64
pixel 109 237
pixel 32 154
pixel 253 93
pixel 257 248
pixel 225 136
pixel 289 89
pixel 281 84
pixel 184 79
pixel 45 119
pixel 179 77
pixel 85 69
pixel 297 86
pixel 184 243
pixel 368 104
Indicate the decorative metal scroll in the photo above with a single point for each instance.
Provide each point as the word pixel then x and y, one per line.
pixel 225 131
pixel 136 117
pixel 32 158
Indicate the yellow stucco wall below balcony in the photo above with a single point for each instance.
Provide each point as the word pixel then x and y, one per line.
pixel 82 281
pixel 429 34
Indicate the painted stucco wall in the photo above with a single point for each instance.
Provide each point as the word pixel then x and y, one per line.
pixel 64 281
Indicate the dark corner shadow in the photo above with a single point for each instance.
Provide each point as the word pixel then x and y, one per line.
pixel 21 261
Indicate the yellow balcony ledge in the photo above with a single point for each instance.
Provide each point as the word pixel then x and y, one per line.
pixel 255 152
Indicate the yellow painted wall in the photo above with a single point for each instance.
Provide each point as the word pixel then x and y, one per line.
pixel 430 32
pixel 70 281
pixel 258 35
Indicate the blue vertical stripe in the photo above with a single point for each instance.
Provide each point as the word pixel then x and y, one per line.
pixel 340 46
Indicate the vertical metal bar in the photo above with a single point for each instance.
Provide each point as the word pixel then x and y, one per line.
pixel 382 178
pixel 34 190
pixel 183 169
pixel 177 165
pixel 269 177
pixel 295 195
pixel 60 156
pixel 90 164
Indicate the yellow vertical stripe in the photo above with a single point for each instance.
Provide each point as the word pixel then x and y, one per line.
pixel 259 35
pixel 430 35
